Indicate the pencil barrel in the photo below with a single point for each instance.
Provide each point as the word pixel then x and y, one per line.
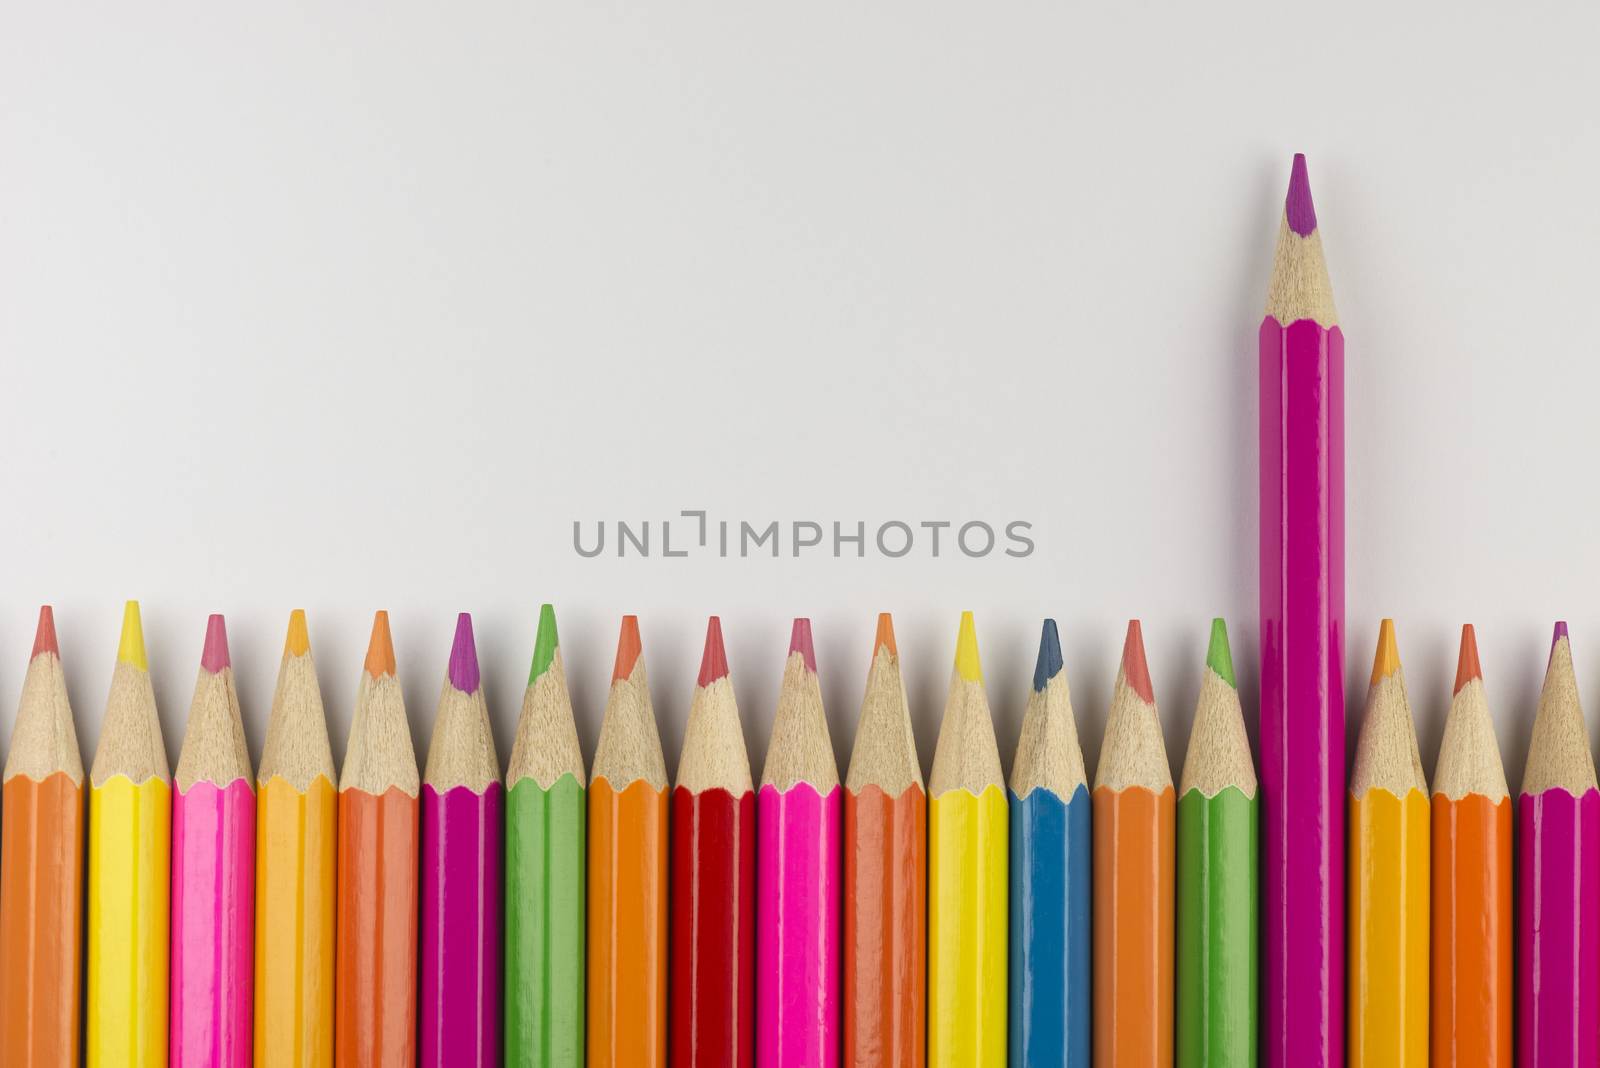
pixel 1389 926
pixel 967 928
pixel 1471 941
pixel 461 858
pixel 130 844
pixel 213 925
pixel 1302 693
pixel 1217 916
pixel 712 957
pixel 544 986
pixel 41 901
pixel 797 933
pixel 1558 929
pixel 375 991
pixel 627 919
pixel 295 877
pixel 1133 936
pixel 1051 937
pixel 885 923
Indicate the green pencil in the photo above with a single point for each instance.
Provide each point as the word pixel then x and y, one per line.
pixel 1217 911
pixel 544 984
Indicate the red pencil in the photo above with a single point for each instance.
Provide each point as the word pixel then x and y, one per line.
pixel 713 878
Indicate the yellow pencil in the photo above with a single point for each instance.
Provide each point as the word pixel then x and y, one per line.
pixel 968 836
pixel 130 822
pixel 297 819
pixel 1389 890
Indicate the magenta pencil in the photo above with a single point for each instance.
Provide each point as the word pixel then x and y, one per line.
pixel 213 875
pixel 797 876
pixel 1302 654
pixel 1558 880
pixel 461 848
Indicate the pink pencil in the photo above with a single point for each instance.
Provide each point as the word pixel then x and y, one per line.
pixel 797 876
pixel 1302 655
pixel 213 875
pixel 1558 880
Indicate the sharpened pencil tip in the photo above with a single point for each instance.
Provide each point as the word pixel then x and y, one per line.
pixel 1135 671
pixel 1219 658
pixel 380 647
pixel 968 665
pixel 1387 659
pixel 214 657
pixel 629 647
pixel 1049 662
pixel 464 656
pixel 1297 206
pixel 298 640
pixel 800 642
pixel 130 649
pixel 545 643
pixel 1467 666
pixel 714 661
pixel 44 637
pixel 884 639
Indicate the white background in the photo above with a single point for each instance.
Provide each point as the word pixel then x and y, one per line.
pixel 360 305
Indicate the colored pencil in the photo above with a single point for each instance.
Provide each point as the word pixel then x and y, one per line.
pixel 627 975
pixel 375 987
pixel 462 819
pixel 713 878
pixel 1471 943
pixel 797 875
pixel 967 875
pixel 297 814
pixel 1389 840
pixel 1133 874
pixel 130 840
pixel 1051 825
pixel 41 869
pixel 1218 912
pixel 1302 653
pixel 1558 880
pixel 885 875
pixel 544 868
pixel 213 873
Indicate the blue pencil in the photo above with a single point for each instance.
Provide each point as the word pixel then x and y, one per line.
pixel 1050 884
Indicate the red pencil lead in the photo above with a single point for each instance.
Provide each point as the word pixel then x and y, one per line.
pixel 1134 669
pixel 714 662
pixel 44 638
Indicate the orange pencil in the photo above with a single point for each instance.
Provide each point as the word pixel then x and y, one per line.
pixel 628 873
pixel 41 869
pixel 375 990
pixel 1134 815
pixel 1472 923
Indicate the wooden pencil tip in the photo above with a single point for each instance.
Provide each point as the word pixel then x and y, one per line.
pixel 1467 666
pixel 298 641
pixel 214 657
pixel 130 648
pixel 800 642
pixel 464 657
pixel 1048 666
pixel 968 665
pixel 545 643
pixel 1219 658
pixel 44 637
pixel 714 661
pixel 1387 659
pixel 628 649
pixel 380 647
pixel 884 639
pixel 1297 206
pixel 1135 670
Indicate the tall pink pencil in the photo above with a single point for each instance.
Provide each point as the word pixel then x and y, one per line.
pixel 213 875
pixel 797 876
pixel 1302 650
pixel 1558 880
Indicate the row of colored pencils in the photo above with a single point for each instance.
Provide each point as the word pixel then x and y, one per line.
pixel 1044 924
